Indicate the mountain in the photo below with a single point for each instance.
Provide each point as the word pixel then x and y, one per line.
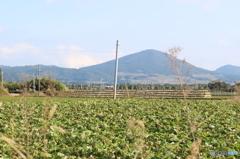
pixel 149 66
pixel 229 70
pixel 143 67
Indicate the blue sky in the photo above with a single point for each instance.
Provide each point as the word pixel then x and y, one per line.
pixel 79 33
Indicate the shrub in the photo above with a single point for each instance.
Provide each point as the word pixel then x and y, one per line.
pixel 13 87
pixel 48 84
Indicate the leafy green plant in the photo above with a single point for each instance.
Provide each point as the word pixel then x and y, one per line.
pixel 98 129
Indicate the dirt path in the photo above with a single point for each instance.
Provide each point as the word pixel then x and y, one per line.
pixel 14 94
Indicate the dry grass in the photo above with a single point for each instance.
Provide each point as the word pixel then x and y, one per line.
pixel 189 112
pixel 195 149
pixel 176 68
pixel 58 128
pixel 236 99
pixel 52 111
pixel 13 144
pixel 236 91
pixel 4 92
pixel 136 131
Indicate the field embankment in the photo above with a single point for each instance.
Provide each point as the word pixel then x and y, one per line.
pixel 123 93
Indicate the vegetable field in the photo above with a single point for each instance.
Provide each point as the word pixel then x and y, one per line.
pixel 126 128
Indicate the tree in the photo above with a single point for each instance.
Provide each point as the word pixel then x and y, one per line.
pixel 13 87
pixel 217 85
pixel 48 84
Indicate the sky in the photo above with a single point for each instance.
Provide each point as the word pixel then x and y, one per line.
pixel 80 33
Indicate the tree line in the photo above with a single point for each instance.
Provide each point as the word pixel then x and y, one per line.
pixel 213 86
pixel 46 84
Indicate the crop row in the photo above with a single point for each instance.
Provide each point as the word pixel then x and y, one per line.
pixel 125 128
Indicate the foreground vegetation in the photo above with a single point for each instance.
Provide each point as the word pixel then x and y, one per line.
pixel 127 128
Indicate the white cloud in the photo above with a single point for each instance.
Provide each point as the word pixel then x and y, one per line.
pixel 71 56
pixel 75 57
pixel 69 48
pixel 79 60
pixel 17 48
pixel 75 48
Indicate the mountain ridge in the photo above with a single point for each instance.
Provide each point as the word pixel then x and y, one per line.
pixel 229 69
pixel 143 67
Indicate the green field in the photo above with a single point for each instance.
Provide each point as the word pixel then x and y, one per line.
pixel 124 128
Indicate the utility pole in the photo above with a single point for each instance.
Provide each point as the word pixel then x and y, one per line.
pixel 101 83
pixel 33 83
pixel 38 77
pixel 116 72
pixel 38 80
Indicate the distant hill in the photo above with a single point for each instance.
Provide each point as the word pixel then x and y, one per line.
pixel 143 67
pixel 229 70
